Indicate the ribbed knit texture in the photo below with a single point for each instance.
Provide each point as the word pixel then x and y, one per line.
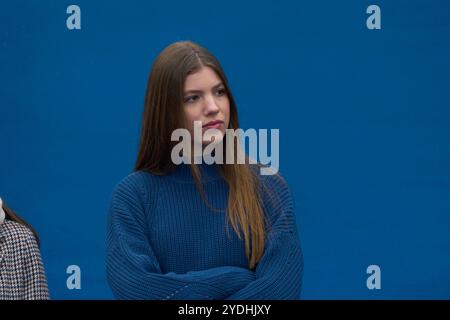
pixel 164 242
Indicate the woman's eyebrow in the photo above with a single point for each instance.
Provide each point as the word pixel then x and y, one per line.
pixel 200 91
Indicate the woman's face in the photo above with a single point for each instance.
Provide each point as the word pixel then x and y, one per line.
pixel 206 100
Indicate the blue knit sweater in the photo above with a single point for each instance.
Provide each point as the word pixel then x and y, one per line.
pixel 164 242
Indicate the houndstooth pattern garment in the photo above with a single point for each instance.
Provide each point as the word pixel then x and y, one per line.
pixel 22 275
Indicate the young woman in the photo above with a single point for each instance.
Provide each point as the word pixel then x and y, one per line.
pixel 168 231
pixel 22 275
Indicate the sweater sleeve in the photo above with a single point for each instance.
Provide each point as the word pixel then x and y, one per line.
pixel 279 272
pixel 133 271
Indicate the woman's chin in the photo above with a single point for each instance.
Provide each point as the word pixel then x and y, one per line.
pixel 213 140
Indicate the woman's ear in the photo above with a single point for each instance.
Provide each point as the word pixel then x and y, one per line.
pixel 2 213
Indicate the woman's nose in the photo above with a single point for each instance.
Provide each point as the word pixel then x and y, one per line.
pixel 211 105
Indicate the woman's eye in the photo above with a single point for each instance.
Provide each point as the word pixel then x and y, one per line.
pixel 190 99
pixel 221 91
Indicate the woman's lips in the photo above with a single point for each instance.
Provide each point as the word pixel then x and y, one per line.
pixel 213 125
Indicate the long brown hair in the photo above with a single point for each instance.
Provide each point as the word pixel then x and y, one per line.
pixel 163 113
pixel 13 216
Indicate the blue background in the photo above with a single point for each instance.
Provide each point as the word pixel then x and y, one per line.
pixel 363 115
